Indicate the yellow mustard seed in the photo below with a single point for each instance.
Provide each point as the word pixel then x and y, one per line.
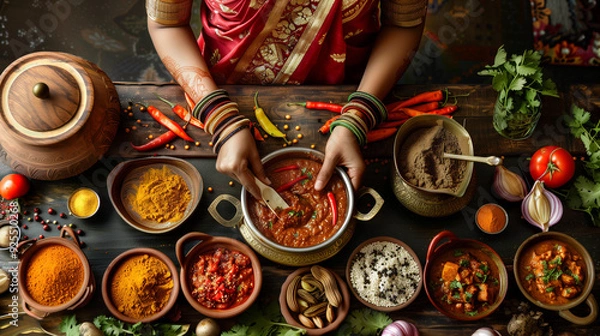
pixel 231 183
pixel 197 143
pixel 210 189
pixel 288 117
pixel 172 147
pixel 150 136
pixel 299 136
pixel 294 141
pixel 134 127
pixel 297 128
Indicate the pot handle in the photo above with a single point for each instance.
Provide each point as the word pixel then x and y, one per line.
pixel 192 236
pixel 237 217
pixel 87 294
pixel 592 304
pixel 435 242
pixel 36 314
pixel 68 231
pixel 376 207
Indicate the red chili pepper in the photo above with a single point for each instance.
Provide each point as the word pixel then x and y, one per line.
pixel 183 113
pixel 412 112
pixel 168 123
pixel 333 205
pixel 448 109
pixel 425 97
pixel 397 115
pixel 379 134
pixel 161 140
pixel 290 184
pixel 392 124
pixel 317 105
pixel 256 132
pixel 325 128
pixel 284 168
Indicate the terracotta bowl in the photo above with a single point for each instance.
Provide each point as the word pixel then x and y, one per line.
pixel 444 246
pixel 206 244
pixel 372 245
pixel 28 249
pixel 585 296
pixel 113 267
pixel 123 179
pixel 293 318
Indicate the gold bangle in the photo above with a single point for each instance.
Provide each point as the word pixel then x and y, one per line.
pixel 169 12
pixel 404 13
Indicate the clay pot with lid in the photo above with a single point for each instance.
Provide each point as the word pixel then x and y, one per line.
pixel 58 115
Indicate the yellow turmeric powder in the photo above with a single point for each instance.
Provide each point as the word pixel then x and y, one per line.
pixel 161 196
pixel 141 286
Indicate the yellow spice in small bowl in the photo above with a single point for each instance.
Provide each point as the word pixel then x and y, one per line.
pixel 84 203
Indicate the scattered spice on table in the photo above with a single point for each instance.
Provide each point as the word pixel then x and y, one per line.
pixel 491 218
pixel 54 275
pixel 161 195
pixel 141 286
pixel 83 203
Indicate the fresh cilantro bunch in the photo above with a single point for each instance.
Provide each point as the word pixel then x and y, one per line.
pixel 364 322
pixel 585 193
pixel 519 82
pixel 111 326
pixel 267 321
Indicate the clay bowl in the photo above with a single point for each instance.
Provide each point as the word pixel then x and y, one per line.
pixel 402 253
pixel 563 308
pixel 107 280
pixel 292 317
pixel 206 244
pixel 28 249
pixel 445 246
pixel 124 178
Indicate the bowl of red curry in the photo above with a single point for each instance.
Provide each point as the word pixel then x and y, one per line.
pixel 464 279
pixel 316 225
pixel 220 277
pixel 555 272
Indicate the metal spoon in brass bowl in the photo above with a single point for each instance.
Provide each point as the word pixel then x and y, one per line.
pixel 490 160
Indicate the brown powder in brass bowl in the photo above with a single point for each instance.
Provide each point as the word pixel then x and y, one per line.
pixel 422 163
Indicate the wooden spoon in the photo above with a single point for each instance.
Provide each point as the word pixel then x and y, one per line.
pixel 490 160
pixel 271 197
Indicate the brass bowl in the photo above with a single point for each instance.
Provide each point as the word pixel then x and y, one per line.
pixel 585 296
pixel 109 274
pixel 122 180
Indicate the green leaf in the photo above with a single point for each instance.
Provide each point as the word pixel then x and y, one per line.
pixel 500 82
pixel 588 191
pixel 517 84
pixel 236 330
pixel 69 326
pixel 500 57
pixel 366 322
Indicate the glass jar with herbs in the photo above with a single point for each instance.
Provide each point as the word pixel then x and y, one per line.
pixel 520 84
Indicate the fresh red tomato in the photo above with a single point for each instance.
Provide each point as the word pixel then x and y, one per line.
pixel 14 186
pixel 552 165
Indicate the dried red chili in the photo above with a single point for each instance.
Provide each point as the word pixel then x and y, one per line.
pixel 327 125
pixel 159 141
pixel 317 105
pixel 183 113
pixel 168 123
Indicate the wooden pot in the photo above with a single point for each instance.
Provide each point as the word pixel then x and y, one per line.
pixel 58 115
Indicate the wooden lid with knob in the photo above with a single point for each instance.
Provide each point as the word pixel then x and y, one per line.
pixel 58 114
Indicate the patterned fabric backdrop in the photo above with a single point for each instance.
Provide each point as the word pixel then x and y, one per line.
pixel 567 32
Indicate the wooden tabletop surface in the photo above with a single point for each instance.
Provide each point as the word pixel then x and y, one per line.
pixel 106 235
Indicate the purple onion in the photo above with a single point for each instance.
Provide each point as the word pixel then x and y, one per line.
pixel 485 331
pixel 556 207
pixel 400 328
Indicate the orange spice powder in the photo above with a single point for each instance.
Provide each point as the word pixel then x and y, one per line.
pixel 491 218
pixel 54 275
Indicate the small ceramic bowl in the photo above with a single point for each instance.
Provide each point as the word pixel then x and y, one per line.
pixel 124 178
pixel 113 267
pixel 339 313
pixel 28 249
pixel 207 245
pixel 391 253
pixel 83 203
pixel 540 243
pixel 503 223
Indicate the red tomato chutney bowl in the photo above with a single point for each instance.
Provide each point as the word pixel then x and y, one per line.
pixel 140 285
pixel 220 277
pixel 464 279
pixel 555 272
pixel 316 224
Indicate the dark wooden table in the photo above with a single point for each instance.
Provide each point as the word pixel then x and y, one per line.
pixel 107 235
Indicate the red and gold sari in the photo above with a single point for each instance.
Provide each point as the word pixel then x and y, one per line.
pixel 288 41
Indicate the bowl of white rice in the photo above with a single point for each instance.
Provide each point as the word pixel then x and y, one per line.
pixel 384 274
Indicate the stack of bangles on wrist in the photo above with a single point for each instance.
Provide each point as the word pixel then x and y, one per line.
pixel 361 113
pixel 221 117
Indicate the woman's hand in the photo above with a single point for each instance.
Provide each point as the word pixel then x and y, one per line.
pixel 342 149
pixel 239 159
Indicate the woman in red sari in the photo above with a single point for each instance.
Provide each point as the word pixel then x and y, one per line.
pixel 287 42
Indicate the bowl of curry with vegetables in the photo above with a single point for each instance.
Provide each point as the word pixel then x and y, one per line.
pixel 555 272
pixel 464 279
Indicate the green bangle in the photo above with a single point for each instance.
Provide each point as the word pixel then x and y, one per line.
pixel 376 103
pixel 360 137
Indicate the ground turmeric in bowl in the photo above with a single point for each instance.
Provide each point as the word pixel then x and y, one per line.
pixel 491 218
pixel 84 203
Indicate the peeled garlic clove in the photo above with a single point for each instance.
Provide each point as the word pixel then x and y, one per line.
pixel 508 185
pixel 541 207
